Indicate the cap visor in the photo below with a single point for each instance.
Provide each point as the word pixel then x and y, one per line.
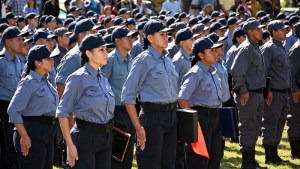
pixel 52 37
pixel 217 45
pixel 68 33
pixel 195 35
pixel 24 34
pixel 110 45
pixel 261 26
pixel 222 38
pixel 224 27
pixel 286 26
pixel 132 33
pixel 166 30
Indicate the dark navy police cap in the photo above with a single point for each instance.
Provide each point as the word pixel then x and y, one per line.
pixel 138 16
pixel 68 21
pixel 117 21
pixel 264 19
pixel 43 18
pixel 123 11
pixel 141 25
pixel 266 34
pixel 261 14
pixel 73 9
pixel 193 21
pixel 281 16
pixel 42 34
pixel 154 26
pixel 121 32
pixel 3 26
pixel 107 19
pixel 170 21
pixel 130 21
pixel 254 24
pixel 203 43
pixel 275 24
pixel 49 18
pixel 216 38
pixel 198 28
pixel 183 34
pixel 205 20
pixel 20 19
pixel 215 26
pixel 294 19
pixel 90 13
pixel 107 39
pixel 10 32
pixel 38 52
pixel 31 16
pixel 215 14
pixel 237 33
pixel 177 26
pixel 72 39
pixel 84 25
pixel 90 42
pixel 183 15
pixel 232 20
pixel 10 15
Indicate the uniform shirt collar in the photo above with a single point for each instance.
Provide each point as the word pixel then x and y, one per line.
pixel 155 53
pixel 252 42
pixel 277 42
pixel 22 58
pixel 120 57
pixel 35 75
pixel 206 68
pixel 186 56
pixel 7 55
pixel 91 70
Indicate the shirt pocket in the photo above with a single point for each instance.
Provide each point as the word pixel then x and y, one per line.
pixel 94 91
pixel 157 74
pixel 42 92
pixel 206 88
pixel 119 75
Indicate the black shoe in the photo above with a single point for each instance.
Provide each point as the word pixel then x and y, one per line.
pixel 269 154
pixel 249 161
pixel 295 148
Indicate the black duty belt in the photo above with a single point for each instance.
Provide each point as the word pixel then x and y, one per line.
pixel 287 90
pixel 169 107
pixel 260 90
pixel 120 109
pixel 206 110
pixel 40 119
pixel 94 127
pixel 4 103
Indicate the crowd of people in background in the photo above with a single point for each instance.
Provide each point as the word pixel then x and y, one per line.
pixel 66 83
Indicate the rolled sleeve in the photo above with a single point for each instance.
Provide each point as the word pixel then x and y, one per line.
pixel 71 94
pixel 19 103
pixel 132 83
pixel 189 85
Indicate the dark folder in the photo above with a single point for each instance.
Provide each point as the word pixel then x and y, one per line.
pixel 229 121
pixel 187 129
pixel 120 143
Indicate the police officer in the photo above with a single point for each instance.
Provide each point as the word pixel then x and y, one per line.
pixel 219 65
pixel 137 46
pixel 173 47
pixel 293 118
pixel 32 111
pixel 153 79
pixel 277 103
pixel 249 80
pixel 117 69
pixel 71 61
pixel 291 36
pixel 32 23
pixel 182 60
pixel 232 25
pixel 10 75
pixel 62 43
pixel 89 95
pixel 201 90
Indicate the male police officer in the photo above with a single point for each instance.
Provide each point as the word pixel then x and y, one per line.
pixel 10 75
pixel 277 103
pixel 249 77
pixel 293 119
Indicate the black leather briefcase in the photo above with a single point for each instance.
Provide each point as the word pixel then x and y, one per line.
pixel 187 128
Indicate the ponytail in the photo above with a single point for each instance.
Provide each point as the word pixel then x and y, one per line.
pixel 146 43
pixel 84 59
pixel 195 60
pixel 29 66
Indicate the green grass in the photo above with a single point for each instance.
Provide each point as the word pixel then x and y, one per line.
pixel 233 158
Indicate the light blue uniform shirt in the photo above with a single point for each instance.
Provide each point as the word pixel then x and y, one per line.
pixel 137 48
pixel 68 65
pixel 202 86
pixel 182 63
pixel 222 73
pixel 291 39
pixel 23 61
pixel 227 43
pixel 35 96
pixel 10 75
pixel 117 70
pixel 152 77
pixel 229 58
pixel 89 95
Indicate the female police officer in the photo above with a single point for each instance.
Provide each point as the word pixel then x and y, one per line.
pixel 201 90
pixel 32 110
pixel 153 79
pixel 90 97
